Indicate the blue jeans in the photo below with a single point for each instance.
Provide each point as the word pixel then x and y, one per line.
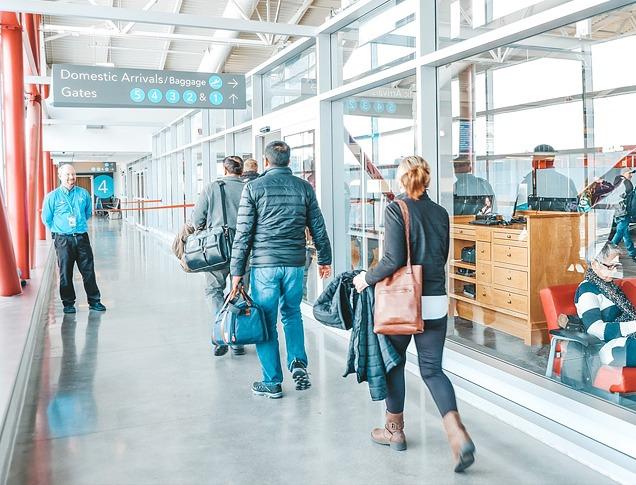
pixel 271 287
pixel 622 232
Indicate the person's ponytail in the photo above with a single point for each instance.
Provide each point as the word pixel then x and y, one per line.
pixel 416 176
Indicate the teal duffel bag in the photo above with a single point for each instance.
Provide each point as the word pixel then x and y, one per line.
pixel 240 322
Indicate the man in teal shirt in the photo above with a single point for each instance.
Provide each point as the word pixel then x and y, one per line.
pixel 65 211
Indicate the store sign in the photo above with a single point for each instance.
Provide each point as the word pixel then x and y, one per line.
pixel 103 87
pixel 379 107
pixel 91 167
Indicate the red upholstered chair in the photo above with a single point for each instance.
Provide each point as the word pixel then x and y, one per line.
pixel 560 299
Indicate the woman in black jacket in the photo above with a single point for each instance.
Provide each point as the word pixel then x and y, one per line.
pixel 429 226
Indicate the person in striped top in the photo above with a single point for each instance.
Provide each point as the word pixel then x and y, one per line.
pixel 605 311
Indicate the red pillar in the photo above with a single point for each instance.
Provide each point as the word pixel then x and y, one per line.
pixel 33 117
pixel 41 230
pixel 9 281
pixel 13 115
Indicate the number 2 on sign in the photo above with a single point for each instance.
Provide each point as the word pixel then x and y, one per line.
pixel 102 187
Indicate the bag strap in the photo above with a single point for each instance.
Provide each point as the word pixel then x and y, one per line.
pixel 222 188
pixel 407 229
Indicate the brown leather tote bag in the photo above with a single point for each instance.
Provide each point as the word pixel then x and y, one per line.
pixel 398 298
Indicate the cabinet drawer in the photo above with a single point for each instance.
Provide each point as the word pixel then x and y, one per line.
pixel 484 272
pixel 513 238
pixel 510 255
pixel 460 231
pixel 483 251
pixel 483 234
pixel 510 301
pixel 484 294
pixel 510 278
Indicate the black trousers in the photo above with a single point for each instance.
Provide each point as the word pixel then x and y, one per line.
pixel 430 346
pixel 73 249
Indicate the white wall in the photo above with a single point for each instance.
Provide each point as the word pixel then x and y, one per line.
pixel 71 138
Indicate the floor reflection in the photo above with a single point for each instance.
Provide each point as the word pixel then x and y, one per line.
pixel 73 409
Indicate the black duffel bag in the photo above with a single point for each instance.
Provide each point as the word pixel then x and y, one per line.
pixel 210 249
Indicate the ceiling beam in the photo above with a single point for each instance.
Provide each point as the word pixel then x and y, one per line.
pixel 166 45
pixel 147 7
pixel 155 17
pixel 93 32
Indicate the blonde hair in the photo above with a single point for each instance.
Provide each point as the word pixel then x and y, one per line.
pixel 250 165
pixel 415 175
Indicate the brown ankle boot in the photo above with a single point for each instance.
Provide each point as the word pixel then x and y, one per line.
pixel 461 445
pixel 392 434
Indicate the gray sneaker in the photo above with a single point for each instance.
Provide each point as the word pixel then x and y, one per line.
pixel 300 375
pixel 272 391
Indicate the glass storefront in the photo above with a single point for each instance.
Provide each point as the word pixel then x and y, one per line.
pixel 383 38
pixel 527 144
pixel 243 144
pixel 302 163
pixel 379 127
pixel 290 82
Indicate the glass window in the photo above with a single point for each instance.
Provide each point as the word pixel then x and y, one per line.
pixel 217 120
pixel 244 115
pixel 197 163
pixel 196 126
pixel 290 82
pixel 458 20
pixel 302 163
pixel 243 144
pixel 383 38
pixel 169 144
pixel 217 149
pixel 181 134
pixel 379 132
pixel 533 138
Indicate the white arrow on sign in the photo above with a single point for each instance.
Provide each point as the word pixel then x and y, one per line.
pixel 234 83
pixel 233 97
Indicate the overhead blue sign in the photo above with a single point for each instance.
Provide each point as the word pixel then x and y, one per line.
pixel 103 186
pixel 93 86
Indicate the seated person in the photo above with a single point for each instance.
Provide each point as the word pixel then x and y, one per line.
pixel 548 182
pixel 605 311
pixel 471 194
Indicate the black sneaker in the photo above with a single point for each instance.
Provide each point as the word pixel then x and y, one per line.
pixel 220 350
pixel 273 391
pixel 69 309
pixel 97 307
pixel 300 375
pixel 238 349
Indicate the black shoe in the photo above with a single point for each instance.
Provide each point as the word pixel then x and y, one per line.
pixel 300 375
pixel 273 391
pixel 98 307
pixel 220 350
pixel 238 349
pixel 69 309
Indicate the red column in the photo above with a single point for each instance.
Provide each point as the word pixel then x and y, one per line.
pixel 13 115
pixel 33 116
pixel 9 281
pixel 41 230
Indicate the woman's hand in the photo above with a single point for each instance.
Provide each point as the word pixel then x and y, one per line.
pixel 360 282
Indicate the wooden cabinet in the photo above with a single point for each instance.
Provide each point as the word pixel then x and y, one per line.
pixel 512 263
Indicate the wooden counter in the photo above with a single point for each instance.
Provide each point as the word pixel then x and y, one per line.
pixel 512 264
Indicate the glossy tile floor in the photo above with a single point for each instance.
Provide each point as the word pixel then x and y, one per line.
pixel 134 396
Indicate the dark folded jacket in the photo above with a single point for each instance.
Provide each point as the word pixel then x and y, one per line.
pixel 370 356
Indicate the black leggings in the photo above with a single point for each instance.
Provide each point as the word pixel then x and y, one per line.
pixel 430 346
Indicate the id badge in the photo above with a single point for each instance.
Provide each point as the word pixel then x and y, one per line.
pixel 72 221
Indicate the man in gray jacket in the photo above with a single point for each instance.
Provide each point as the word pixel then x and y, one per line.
pixel 274 212
pixel 208 212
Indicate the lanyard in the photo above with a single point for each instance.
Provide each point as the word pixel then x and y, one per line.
pixel 68 200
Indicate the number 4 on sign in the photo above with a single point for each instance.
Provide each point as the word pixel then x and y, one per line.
pixel 102 187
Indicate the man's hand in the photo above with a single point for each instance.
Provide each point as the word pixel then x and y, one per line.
pixel 236 283
pixel 324 271
pixel 360 282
